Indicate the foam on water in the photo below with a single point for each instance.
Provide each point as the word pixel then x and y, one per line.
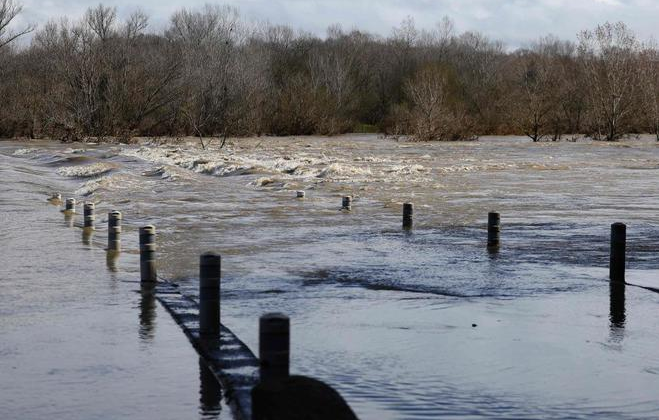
pixel 304 167
pixel 168 172
pixel 25 151
pixel 86 171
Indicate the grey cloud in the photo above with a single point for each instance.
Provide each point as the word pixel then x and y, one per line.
pixel 513 21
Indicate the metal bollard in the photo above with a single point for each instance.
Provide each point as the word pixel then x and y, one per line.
pixel 70 206
pixel 209 295
pixel 88 211
pixel 346 203
pixel 618 245
pixel 300 194
pixel 493 229
pixel 114 231
pixel 408 213
pixel 274 346
pixel 148 254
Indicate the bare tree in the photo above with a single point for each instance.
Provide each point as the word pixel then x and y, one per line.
pixel 335 77
pixel 8 12
pixel 112 78
pixel 434 113
pixel 101 20
pixel 609 59
pixel 207 40
pixel 479 61
pixel 534 94
pixel 211 74
pixel 650 87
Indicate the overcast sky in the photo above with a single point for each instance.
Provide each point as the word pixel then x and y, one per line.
pixel 512 21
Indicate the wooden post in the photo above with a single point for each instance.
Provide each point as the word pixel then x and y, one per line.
pixel 88 211
pixel 493 229
pixel 114 231
pixel 618 245
pixel 408 213
pixel 209 295
pixel 274 346
pixel 148 254
pixel 70 206
pixel 346 203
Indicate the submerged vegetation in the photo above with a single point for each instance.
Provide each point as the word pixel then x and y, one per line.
pixel 210 73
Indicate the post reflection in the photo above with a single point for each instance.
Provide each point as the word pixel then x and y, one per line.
pixel 210 393
pixel 147 312
pixel 68 219
pixel 111 259
pixel 617 316
pixel 87 236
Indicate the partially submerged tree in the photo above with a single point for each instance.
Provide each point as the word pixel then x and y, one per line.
pixel 435 112
pixel 207 40
pixel 609 56
pixel 535 94
pixel 111 78
pixel 336 76
pixel 479 62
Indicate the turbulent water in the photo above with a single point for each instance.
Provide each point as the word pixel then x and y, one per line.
pixel 406 325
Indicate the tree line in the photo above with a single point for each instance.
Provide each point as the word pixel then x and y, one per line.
pixel 210 73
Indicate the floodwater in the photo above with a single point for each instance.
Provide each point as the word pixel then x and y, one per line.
pixel 417 324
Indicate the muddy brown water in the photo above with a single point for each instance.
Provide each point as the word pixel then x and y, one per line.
pixel 385 316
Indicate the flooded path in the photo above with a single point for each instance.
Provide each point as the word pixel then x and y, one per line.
pixel 405 325
pixel 78 341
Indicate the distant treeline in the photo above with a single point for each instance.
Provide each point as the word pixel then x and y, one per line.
pixel 209 73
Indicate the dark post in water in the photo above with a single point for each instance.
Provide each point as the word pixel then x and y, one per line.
pixel 274 346
pixel 618 244
pixel 88 211
pixel 493 229
pixel 408 213
pixel 209 295
pixel 114 231
pixel 70 206
pixel 346 203
pixel 148 254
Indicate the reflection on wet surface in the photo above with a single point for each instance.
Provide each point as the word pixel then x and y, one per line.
pixel 111 260
pixel 617 311
pixel 147 312
pixel 406 324
pixel 87 236
pixel 210 393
